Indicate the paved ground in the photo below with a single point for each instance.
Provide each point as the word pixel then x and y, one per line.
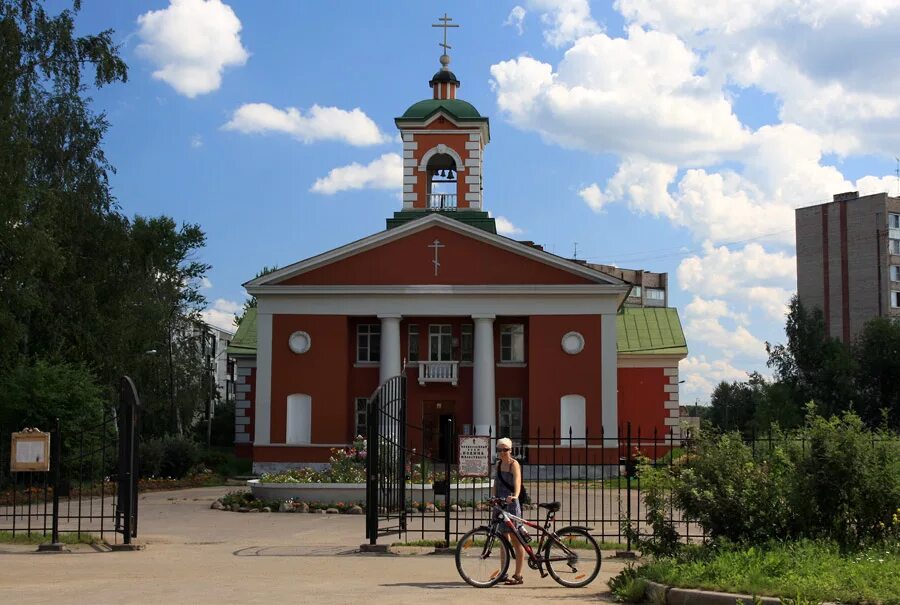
pixel 198 555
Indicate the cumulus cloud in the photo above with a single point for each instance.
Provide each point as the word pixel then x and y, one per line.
pixel 505 226
pixel 191 42
pixel 736 341
pixel 701 376
pixel 221 314
pixel 721 271
pixel 196 141
pixel 205 283
pixel 318 124
pixel 565 20
pixel 772 301
pixel 516 19
pixel 385 172
pixel 642 94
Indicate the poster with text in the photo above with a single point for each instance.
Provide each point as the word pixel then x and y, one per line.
pixel 474 456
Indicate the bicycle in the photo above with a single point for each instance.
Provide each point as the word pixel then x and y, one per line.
pixel 571 555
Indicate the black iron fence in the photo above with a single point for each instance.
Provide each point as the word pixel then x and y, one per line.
pixel 91 487
pixel 593 477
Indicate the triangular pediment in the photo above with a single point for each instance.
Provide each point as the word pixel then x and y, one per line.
pixel 436 250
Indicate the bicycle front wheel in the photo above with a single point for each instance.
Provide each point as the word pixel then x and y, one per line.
pixel 574 561
pixel 482 559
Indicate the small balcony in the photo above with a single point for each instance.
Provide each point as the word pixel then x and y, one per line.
pixel 438 371
pixel 444 202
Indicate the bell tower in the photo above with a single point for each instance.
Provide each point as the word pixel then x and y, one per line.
pixel 443 143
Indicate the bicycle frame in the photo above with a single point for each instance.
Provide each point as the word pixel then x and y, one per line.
pixel 535 559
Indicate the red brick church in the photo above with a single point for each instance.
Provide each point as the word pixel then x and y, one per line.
pixel 496 334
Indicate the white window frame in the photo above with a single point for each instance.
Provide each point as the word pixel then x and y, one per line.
pixel 505 425
pixel 467 343
pixel 895 272
pixel 299 419
pixel 893 220
pixel 512 335
pixel 371 335
pixel 360 413
pixel 894 246
pixel 572 413
pixel 443 333
pixel 655 294
pixel 412 343
pixel 635 292
pixel 895 299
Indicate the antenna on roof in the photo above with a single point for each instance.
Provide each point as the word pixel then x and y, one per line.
pixel 575 253
pixel 897 170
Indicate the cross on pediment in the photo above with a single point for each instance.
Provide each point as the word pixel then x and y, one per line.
pixel 437 245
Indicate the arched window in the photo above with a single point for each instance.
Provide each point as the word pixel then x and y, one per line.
pixel 572 417
pixel 441 165
pixel 299 418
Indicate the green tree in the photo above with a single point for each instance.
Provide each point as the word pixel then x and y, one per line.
pixel 877 354
pixel 250 303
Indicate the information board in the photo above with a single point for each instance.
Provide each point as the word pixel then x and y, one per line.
pixel 474 456
pixel 30 452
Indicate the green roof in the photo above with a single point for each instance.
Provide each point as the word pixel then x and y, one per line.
pixel 244 341
pixel 650 331
pixel 475 218
pixel 459 109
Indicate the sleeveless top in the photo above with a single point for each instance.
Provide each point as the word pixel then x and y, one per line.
pixel 503 491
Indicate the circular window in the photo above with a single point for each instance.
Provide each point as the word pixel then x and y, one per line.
pixel 299 342
pixel 573 343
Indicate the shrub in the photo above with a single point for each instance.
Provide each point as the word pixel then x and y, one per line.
pixel 657 491
pixel 170 456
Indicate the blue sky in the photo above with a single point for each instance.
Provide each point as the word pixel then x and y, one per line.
pixel 668 135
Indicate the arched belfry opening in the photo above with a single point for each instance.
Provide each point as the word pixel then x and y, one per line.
pixel 442 175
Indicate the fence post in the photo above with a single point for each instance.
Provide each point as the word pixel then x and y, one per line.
pixel 447 455
pixel 628 482
pixel 55 462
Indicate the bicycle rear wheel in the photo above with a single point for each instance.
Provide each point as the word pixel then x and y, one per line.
pixel 482 559
pixel 578 563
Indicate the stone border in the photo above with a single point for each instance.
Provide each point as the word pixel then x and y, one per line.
pixel 670 595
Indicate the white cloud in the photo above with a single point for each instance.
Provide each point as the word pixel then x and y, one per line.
pixel 385 172
pixel 221 314
pixel 205 283
pixel 505 226
pixel 701 377
pixel 196 141
pixel 643 94
pixel 731 342
pixel 593 197
pixel 516 19
pixel 771 300
pixel 191 43
pixel 565 20
pixel 725 272
pixel 318 124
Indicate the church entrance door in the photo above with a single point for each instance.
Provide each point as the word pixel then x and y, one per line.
pixel 438 418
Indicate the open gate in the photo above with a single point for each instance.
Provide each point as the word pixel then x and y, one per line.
pixel 386 460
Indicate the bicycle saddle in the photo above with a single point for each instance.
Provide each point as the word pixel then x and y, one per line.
pixel 550 506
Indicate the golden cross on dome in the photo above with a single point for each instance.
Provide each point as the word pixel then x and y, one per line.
pixel 446 23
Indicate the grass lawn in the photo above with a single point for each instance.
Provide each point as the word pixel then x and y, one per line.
pixel 6 537
pixel 811 570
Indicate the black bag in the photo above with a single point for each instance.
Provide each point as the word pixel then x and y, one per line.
pixel 523 495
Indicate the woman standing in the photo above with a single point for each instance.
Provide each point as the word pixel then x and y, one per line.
pixel 508 486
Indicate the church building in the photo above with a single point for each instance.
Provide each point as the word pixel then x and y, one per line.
pixel 496 335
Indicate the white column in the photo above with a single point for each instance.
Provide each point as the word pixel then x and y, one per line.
pixel 262 429
pixel 483 406
pixel 609 376
pixel 390 365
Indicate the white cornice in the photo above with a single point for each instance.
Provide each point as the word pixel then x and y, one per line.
pixel 429 220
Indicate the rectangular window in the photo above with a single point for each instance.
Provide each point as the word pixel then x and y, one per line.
pixel 635 292
pixel 894 246
pixel 467 342
pixel 413 340
pixel 368 342
pixel 894 221
pixel 361 405
pixel 895 272
pixel 509 420
pixel 512 343
pixel 656 294
pixel 895 299
pixel 440 342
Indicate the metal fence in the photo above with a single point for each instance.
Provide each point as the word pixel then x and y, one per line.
pixel 91 487
pixel 592 477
